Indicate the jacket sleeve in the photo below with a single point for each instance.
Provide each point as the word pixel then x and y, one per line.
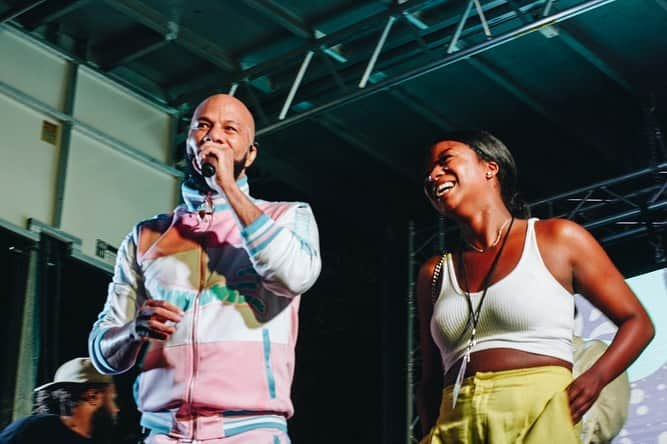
pixel 285 252
pixel 124 296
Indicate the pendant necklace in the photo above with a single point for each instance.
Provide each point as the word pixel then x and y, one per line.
pixel 474 314
pixel 494 243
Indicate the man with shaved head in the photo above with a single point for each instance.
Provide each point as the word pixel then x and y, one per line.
pixel 204 300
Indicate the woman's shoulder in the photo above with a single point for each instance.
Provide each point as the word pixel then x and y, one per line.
pixel 425 278
pixel 559 229
pixel 429 264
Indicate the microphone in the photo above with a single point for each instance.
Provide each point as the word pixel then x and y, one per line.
pixel 207 169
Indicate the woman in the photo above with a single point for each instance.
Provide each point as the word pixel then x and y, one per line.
pixel 500 308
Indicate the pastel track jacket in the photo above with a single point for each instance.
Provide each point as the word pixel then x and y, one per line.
pixel 232 354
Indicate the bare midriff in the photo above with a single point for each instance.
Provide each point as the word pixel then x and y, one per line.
pixel 500 359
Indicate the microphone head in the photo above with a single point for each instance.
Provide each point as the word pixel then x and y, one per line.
pixel 207 170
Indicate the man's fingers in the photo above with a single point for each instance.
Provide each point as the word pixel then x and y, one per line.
pixel 146 333
pixel 154 318
pixel 208 156
pixel 154 329
pixel 164 304
pixel 159 314
pixel 166 315
pixel 214 153
pixel 161 327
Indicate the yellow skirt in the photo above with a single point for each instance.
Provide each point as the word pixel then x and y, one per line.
pixel 526 406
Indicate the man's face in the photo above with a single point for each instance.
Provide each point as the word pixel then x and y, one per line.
pixel 223 121
pixel 104 419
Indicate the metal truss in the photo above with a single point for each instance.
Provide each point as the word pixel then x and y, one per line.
pixel 624 208
pixel 629 206
pixel 447 45
pixel 340 75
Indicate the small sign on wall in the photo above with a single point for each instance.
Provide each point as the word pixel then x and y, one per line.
pixel 49 132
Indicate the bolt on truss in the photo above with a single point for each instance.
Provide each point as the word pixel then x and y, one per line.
pixel 630 206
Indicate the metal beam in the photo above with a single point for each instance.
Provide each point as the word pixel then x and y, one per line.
pixel 330 40
pixel 660 205
pixel 453 44
pixel 482 18
pixel 327 43
pixel 332 70
pixel 110 54
pixel 50 12
pixel 282 16
pixel 153 19
pixel 294 24
pixel 423 46
pixel 65 138
pixel 606 183
pixel 578 43
pixel 296 84
pixel 509 36
pixel 376 51
pixel 22 8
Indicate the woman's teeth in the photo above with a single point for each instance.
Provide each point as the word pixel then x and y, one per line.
pixel 444 188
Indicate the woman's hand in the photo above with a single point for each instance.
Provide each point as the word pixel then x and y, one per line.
pixel 582 393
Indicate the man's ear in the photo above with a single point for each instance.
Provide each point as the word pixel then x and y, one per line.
pixel 252 155
pixel 92 396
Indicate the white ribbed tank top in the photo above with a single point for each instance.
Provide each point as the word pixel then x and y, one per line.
pixel 527 310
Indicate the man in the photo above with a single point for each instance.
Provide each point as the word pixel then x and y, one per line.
pixel 213 291
pixel 77 407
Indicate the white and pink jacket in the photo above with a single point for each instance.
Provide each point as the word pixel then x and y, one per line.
pixel 232 355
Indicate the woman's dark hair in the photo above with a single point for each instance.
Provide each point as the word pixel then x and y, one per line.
pixel 62 399
pixel 490 149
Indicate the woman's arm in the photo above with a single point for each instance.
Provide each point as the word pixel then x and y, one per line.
pixel 429 391
pixel 595 277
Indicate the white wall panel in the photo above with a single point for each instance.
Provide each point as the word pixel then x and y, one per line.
pixel 32 69
pixel 106 193
pixel 105 106
pixel 27 165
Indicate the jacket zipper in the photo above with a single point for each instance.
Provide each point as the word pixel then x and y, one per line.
pixel 195 313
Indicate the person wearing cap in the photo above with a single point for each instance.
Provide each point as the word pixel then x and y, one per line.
pixel 78 406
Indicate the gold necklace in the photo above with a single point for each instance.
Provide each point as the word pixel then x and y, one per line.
pixel 494 243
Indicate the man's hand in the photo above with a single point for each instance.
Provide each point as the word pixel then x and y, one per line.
pixel 582 393
pixel 155 320
pixel 222 158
